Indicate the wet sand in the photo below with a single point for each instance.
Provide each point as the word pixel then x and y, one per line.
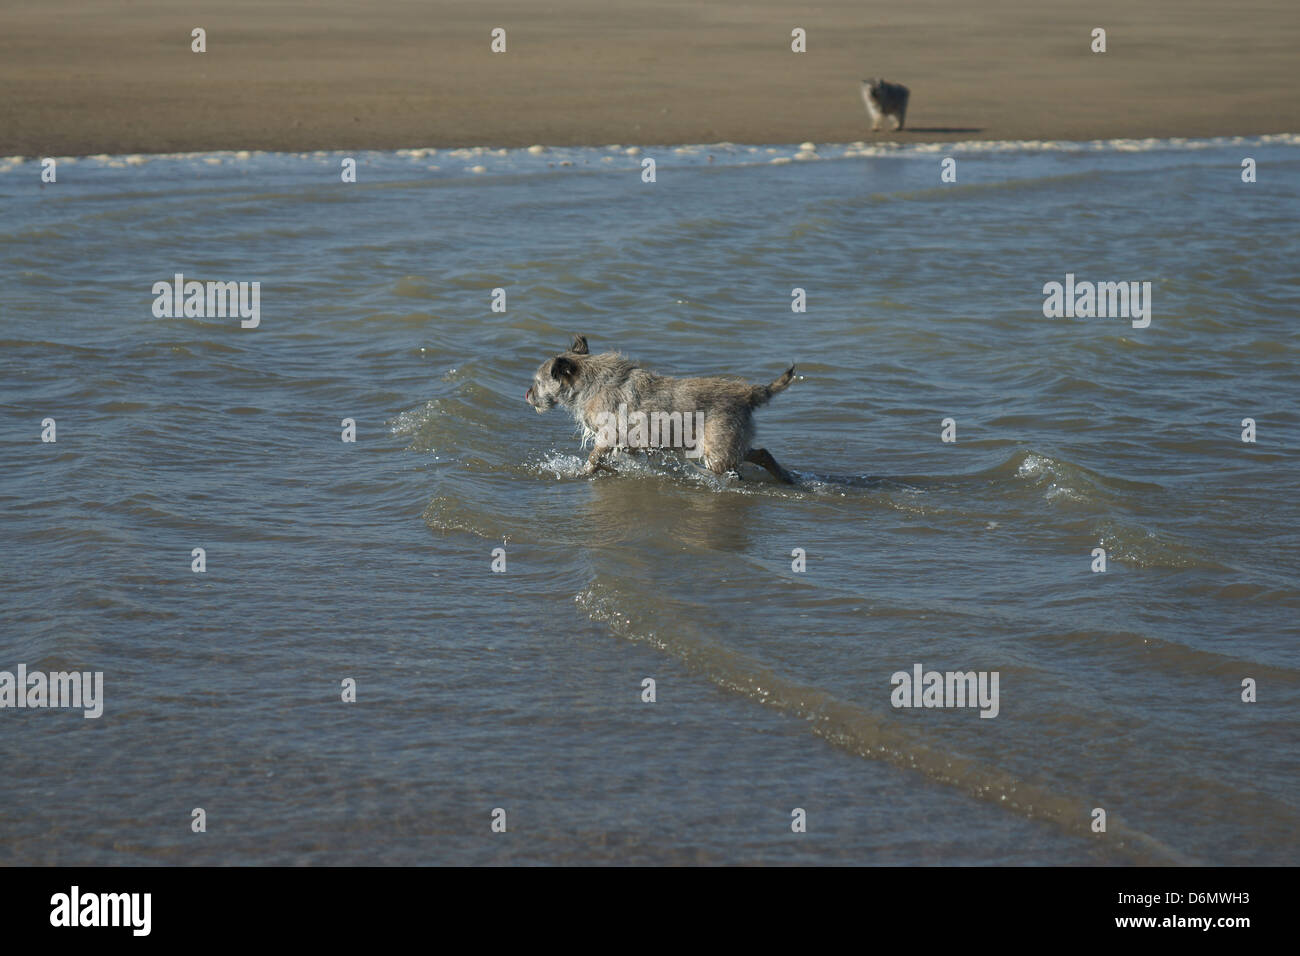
pixel 84 78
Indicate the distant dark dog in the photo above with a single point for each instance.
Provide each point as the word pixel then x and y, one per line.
pixel 619 405
pixel 885 99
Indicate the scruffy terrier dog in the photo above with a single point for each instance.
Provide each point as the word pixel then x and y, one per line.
pixel 710 417
pixel 885 99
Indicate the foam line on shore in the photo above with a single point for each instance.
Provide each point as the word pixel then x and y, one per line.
pixel 485 159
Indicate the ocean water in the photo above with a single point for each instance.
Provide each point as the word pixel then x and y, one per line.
pixel 521 690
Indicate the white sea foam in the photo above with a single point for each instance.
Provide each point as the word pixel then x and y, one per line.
pixel 538 157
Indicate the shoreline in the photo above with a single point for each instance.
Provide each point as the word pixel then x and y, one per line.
pixel 85 79
pixel 855 149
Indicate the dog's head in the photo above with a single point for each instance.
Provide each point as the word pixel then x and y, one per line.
pixel 554 379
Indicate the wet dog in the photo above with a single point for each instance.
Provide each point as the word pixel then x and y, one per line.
pixel 709 418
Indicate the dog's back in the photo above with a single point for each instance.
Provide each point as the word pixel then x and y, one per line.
pixel 611 379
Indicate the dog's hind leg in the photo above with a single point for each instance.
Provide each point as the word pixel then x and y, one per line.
pixel 761 456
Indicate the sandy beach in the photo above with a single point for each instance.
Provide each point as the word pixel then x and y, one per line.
pixel 85 78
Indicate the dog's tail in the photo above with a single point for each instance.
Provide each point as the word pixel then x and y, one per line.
pixel 760 394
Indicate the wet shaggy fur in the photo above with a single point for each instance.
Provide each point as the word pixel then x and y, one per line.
pixel 885 99
pixel 587 385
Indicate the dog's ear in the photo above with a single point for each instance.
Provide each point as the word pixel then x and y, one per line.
pixel 579 346
pixel 563 369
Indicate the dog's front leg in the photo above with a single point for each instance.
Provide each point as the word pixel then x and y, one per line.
pixel 595 462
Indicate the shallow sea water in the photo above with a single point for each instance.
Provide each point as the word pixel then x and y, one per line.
pixel 522 690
